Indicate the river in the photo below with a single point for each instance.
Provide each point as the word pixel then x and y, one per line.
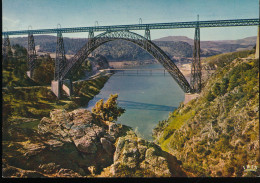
pixel 147 97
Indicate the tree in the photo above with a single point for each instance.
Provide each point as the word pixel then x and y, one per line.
pixel 216 89
pixel 210 96
pixel 108 111
pixel 224 86
pixel 44 73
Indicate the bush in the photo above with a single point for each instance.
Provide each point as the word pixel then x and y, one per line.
pixel 108 111
pixel 210 97
pixel 167 133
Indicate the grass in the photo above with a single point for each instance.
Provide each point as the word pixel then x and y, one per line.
pixel 31 125
pixel 175 123
pixel 38 102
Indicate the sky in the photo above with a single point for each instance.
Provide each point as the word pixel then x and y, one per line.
pixel 46 14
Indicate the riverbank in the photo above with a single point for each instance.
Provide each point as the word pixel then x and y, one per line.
pixel 184 68
pixel 23 105
pixel 126 64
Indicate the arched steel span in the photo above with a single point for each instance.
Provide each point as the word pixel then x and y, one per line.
pixel 137 39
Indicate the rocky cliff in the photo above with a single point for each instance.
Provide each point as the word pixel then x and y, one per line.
pixel 75 144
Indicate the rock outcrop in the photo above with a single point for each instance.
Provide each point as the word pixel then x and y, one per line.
pixel 136 157
pixel 74 144
pixel 68 144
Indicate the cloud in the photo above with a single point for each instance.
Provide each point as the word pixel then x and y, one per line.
pixel 9 23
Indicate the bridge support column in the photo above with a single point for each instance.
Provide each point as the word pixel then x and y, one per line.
pixel 6 49
pixel 56 88
pixel 31 55
pixel 60 57
pixel 67 87
pixel 195 80
pixel 257 44
pixel 60 61
pixel 90 37
pixel 147 35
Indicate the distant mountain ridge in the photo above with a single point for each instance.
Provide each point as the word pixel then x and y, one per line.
pixel 175 47
pixel 247 40
pixel 221 45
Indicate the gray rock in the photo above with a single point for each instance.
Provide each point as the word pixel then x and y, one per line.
pixel 86 145
pixel 120 145
pixel 107 145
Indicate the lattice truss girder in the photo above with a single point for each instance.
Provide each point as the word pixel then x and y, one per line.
pixel 60 61
pixel 171 25
pixel 31 53
pixel 144 43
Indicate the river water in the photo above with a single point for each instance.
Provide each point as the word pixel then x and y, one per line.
pixel 147 97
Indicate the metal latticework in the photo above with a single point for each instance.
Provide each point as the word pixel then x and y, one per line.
pixel 31 53
pixel 90 37
pixel 6 47
pixel 60 60
pixel 75 62
pixel 170 25
pixel 196 65
pixel 147 34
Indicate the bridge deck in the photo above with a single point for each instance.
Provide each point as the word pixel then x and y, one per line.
pixel 171 25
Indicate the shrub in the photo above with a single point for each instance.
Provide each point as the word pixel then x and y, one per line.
pixel 210 96
pixel 108 111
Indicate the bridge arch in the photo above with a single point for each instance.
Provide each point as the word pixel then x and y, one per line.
pixel 137 39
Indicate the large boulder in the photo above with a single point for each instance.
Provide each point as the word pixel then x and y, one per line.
pixel 136 157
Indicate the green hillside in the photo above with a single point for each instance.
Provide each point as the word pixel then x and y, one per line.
pixel 118 50
pixel 218 133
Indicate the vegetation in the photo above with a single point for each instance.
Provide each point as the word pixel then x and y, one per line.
pixel 15 67
pixel 108 111
pixel 217 133
pixel 31 101
pixel 119 50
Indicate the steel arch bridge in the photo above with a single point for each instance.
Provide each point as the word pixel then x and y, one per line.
pixel 64 68
pixel 72 64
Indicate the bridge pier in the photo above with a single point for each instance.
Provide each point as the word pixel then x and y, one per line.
pixel 67 87
pixel 58 86
pixel 29 74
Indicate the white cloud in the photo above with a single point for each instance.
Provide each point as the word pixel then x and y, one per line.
pixel 10 24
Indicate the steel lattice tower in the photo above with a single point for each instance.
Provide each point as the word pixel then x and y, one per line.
pixel 31 54
pixel 196 65
pixel 60 57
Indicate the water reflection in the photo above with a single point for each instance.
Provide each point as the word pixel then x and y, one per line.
pixel 140 105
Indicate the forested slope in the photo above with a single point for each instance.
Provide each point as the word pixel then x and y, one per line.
pixel 218 133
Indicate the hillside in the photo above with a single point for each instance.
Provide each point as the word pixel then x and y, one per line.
pixel 82 144
pixel 119 50
pixel 217 134
pixel 174 46
pixel 222 46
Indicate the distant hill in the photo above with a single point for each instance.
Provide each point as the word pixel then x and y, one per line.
pixel 175 46
pixel 222 46
pixel 118 50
